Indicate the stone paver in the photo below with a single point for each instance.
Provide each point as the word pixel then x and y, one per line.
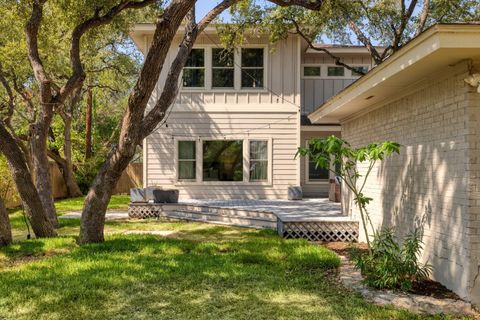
pixel 298 210
pixel 352 279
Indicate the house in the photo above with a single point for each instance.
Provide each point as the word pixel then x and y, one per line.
pixel 239 117
pixel 425 97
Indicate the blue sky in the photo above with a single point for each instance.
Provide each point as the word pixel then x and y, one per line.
pixel 203 6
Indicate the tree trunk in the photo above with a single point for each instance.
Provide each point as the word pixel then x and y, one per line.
pixel 88 124
pixel 5 229
pixel 43 180
pixel 67 168
pixel 41 225
pixel 98 197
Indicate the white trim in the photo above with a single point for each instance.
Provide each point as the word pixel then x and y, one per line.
pixel 176 160
pixel 145 162
pixel 198 181
pixel 237 67
pixel 324 71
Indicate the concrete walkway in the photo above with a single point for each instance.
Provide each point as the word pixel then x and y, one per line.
pixel 111 215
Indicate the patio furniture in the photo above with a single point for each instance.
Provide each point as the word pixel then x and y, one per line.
pixel 295 193
pixel 158 195
pixel 137 195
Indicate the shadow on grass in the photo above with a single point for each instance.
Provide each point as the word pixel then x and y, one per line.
pixel 141 276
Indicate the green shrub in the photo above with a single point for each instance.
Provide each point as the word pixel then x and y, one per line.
pixel 391 266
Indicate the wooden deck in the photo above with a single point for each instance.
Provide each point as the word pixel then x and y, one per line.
pixel 311 219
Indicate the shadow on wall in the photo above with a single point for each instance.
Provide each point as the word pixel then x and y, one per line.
pixel 425 186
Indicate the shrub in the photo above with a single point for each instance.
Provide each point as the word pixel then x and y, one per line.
pixel 391 266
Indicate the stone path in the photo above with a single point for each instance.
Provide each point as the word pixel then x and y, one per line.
pixel 352 279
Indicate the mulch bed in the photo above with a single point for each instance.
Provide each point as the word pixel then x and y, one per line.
pixel 424 288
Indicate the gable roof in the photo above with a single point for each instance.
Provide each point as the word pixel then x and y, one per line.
pixel 439 46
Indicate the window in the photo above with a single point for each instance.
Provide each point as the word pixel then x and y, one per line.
pixel 222 68
pixel 363 69
pixel 186 160
pixel 223 160
pixel 194 70
pixel 252 68
pixel 258 160
pixel 336 71
pixel 311 71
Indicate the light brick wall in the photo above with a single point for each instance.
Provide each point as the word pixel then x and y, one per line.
pixel 435 179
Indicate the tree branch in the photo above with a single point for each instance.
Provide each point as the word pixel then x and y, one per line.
pixel 78 74
pixel 308 4
pixel 423 17
pixel 170 90
pixel 331 55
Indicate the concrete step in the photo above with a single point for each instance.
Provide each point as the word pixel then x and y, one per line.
pixel 221 211
pixel 233 220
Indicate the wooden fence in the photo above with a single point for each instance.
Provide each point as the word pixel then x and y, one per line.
pixel 132 177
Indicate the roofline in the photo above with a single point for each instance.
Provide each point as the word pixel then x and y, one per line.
pixel 332 104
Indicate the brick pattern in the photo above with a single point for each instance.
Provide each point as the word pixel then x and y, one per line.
pixel 434 181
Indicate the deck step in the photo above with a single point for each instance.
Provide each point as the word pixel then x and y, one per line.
pixel 225 211
pixel 241 221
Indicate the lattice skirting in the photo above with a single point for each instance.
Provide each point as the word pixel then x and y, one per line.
pixel 144 211
pixel 326 231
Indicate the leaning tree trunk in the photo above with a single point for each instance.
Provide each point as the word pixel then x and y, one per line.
pixel 98 197
pixel 41 225
pixel 5 229
pixel 43 179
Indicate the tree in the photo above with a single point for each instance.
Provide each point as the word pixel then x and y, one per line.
pixel 53 83
pixel 381 26
pixel 345 159
pixel 137 125
pixel 6 188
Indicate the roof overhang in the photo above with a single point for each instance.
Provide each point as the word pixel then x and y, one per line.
pixel 441 45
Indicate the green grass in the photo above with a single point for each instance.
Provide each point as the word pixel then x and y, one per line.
pixel 190 271
pixel 75 204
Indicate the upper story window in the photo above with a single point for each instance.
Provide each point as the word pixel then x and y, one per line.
pixel 223 68
pixel 335 71
pixel 311 71
pixel 194 70
pixel 252 67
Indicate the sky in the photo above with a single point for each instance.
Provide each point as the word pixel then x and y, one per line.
pixel 204 6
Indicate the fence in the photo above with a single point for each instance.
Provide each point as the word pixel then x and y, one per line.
pixel 132 177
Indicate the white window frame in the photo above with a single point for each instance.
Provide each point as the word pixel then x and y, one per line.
pixel 177 160
pixel 246 161
pixel 324 71
pixel 269 161
pixel 307 171
pixel 312 65
pixel 237 71
pixel 239 66
pixel 206 67
pixel 213 68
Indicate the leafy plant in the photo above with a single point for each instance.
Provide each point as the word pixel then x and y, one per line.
pixel 391 266
pixel 345 159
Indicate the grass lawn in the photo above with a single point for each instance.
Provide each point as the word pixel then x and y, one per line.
pixel 185 271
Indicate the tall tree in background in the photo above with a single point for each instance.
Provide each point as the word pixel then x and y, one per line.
pixel 381 26
pixel 52 82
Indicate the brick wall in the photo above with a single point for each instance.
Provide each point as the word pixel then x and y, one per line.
pixel 434 181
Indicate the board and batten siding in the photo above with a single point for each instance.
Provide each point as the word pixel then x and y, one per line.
pixel 316 90
pixel 218 114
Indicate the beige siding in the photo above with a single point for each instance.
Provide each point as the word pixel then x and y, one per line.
pixel 161 165
pixel 435 179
